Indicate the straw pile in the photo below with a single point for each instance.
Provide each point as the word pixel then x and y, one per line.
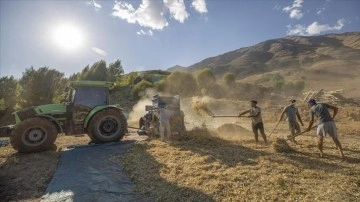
pixel 280 145
pixel 230 128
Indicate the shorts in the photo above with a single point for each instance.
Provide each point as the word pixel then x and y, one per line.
pixel 294 127
pixel 327 128
pixel 259 125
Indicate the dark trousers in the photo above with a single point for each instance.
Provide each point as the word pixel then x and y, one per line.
pixel 259 127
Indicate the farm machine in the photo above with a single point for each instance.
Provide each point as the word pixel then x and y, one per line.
pixel 87 110
pixel 151 124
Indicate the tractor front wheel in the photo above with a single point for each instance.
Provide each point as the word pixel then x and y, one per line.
pixel 108 125
pixel 33 135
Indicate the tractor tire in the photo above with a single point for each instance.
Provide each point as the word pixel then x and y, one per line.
pixel 108 125
pixel 33 135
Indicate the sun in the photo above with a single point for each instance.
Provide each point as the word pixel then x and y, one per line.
pixel 67 37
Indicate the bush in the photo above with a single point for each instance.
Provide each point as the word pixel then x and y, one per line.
pixel 205 78
pixel 181 83
pixel 229 78
pixel 139 88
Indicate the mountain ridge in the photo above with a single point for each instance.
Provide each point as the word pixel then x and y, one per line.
pixel 325 61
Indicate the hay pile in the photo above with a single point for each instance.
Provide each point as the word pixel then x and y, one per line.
pixel 280 145
pixel 233 129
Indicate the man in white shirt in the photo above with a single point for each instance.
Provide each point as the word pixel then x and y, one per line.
pixel 164 119
pixel 257 123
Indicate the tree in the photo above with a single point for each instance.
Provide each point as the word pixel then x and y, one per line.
pixel 114 71
pixel 161 85
pixel 8 93
pixel 277 81
pixel 140 88
pixel 181 83
pixel 229 78
pixel 97 72
pixel 40 86
pixel 205 78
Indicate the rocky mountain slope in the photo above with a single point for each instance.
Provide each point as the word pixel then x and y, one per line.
pixel 327 61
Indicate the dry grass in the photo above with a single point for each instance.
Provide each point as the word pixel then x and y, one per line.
pixel 202 166
pixel 280 145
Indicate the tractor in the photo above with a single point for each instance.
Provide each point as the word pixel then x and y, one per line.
pixel 86 110
pixel 151 124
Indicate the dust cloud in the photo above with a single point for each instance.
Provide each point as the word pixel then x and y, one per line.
pixel 138 109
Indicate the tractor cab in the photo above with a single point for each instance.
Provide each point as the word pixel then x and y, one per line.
pixel 83 97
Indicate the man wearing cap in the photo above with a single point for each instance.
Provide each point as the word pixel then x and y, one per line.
pixel 326 123
pixel 257 123
pixel 291 113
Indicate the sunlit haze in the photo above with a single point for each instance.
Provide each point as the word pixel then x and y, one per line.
pixel 67 37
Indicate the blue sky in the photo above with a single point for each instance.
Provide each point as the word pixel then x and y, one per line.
pixel 154 34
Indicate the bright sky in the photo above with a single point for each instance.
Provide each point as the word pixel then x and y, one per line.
pixel 154 34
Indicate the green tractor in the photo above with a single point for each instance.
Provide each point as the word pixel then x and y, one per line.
pixel 87 110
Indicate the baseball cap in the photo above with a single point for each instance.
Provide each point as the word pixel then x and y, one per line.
pixel 312 100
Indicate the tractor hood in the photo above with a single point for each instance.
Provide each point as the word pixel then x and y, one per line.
pixel 53 110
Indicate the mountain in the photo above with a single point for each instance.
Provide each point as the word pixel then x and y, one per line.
pixel 176 68
pixel 329 61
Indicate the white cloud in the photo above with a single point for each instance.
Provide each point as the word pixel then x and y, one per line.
pixel 323 8
pixel 149 14
pixel 199 5
pixel 93 3
pixel 142 32
pixel 153 14
pixel 296 4
pixel 177 9
pixel 99 51
pixel 295 10
pixel 296 30
pixel 277 7
pixel 296 14
pixel 314 28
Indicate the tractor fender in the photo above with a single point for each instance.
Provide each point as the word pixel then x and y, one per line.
pixel 53 120
pixel 98 109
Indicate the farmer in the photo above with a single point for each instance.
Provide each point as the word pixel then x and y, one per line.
pixel 291 113
pixel 142 122
pixel 164 119
pixel 326 124
pixel 153 124
pixel 257 123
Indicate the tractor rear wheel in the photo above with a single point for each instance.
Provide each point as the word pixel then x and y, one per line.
pixel 108 125
pixel 33 135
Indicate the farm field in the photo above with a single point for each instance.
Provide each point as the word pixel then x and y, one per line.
pixel 207 164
